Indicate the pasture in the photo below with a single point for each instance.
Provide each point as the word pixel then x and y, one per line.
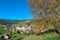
pixel 24 36
pixel 48 36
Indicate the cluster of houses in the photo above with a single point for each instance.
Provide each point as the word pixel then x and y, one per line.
pixel 21 29
pixel 27 29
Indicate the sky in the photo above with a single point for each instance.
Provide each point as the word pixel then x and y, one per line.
pixel 15 9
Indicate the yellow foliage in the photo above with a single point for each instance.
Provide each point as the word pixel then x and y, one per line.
pixel 45 12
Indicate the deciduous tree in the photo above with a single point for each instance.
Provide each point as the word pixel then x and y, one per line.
pixel 45 12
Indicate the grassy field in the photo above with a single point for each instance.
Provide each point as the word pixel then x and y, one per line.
pixel 49 36
pixel 16 36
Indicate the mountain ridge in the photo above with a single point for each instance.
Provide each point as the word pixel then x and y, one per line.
pixel 8 21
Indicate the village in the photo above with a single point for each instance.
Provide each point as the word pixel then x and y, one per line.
pixel 26 30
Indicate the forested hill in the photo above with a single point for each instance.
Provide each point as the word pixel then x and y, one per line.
pixel 7 21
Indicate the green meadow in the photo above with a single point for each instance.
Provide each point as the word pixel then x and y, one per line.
pixel 18 36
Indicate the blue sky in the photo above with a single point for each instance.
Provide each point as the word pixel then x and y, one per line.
pixel 15 9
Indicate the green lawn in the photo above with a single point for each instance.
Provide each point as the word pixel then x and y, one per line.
pixel 49 36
